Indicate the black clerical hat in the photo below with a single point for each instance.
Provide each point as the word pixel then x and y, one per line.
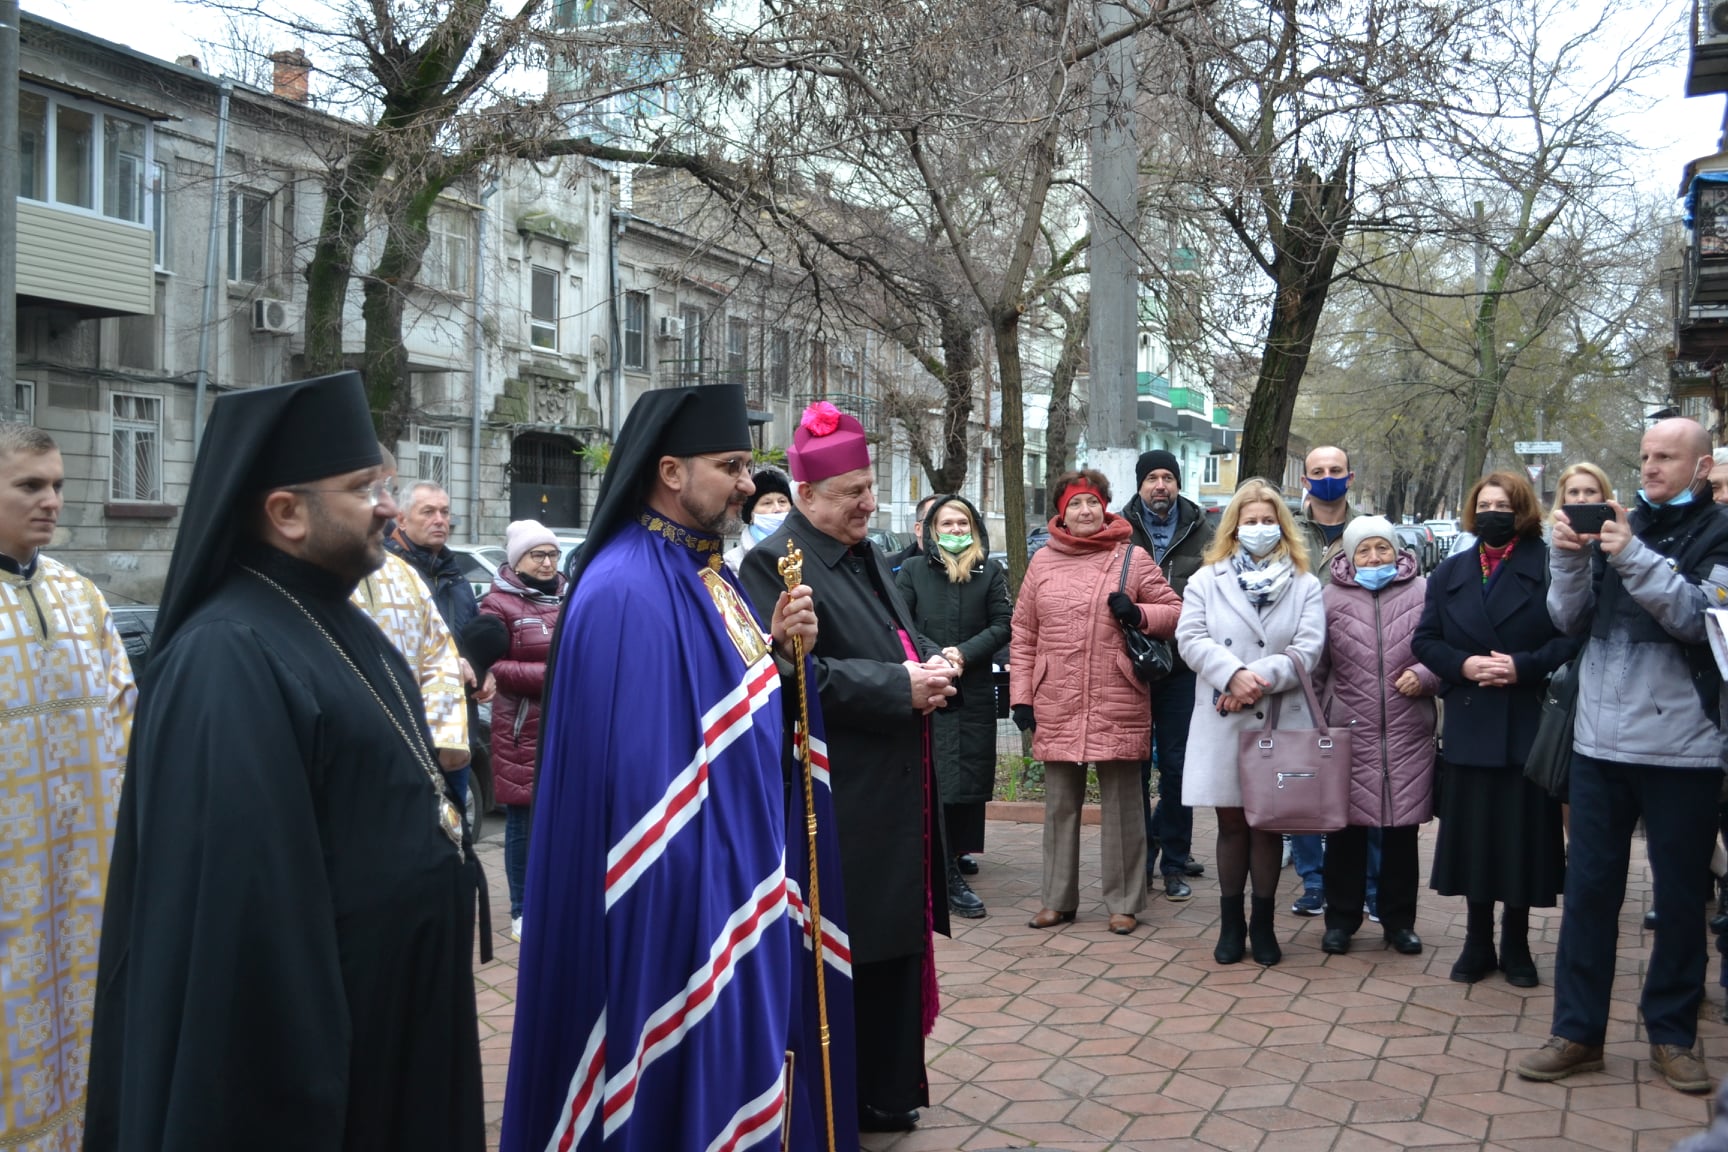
pixel 259 439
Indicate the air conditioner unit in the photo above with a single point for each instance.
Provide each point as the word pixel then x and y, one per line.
pixel 1713 25
pixel 275 317
pixel 672 327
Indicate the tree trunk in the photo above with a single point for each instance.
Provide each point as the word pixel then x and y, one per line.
pixel 960 358
pixel 384 363
pixel 1005 328
pixel 1062 391
pixel 1302 276
pixel 346 195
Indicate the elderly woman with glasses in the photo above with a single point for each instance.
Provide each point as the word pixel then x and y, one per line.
pixel 526 595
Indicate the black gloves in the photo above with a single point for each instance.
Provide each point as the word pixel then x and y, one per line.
pixel 1125 610
pixel 1023 717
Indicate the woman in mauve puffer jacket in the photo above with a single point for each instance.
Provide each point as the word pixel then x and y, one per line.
pixel 526 594
pixel 1370 682
pixel 1071 682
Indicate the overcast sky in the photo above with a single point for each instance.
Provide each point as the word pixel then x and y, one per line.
pixel 1676 129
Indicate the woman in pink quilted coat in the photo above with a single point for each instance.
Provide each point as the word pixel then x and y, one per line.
pixel 1371 682
pixel 1072 684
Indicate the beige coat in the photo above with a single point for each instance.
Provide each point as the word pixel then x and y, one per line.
pixel 1221 633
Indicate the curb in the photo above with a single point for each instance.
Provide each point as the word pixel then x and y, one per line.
pixel 1032 812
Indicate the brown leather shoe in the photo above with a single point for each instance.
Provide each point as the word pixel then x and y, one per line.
pixel 1122 923
pixel 1683 1068
pixel 1049 918
pixel 1560 1058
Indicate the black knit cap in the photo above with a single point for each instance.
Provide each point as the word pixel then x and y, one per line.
pixel 766 481
pixel 1156 458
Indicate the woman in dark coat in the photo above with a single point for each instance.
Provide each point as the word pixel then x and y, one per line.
pixel 1486 633
pixel 959 599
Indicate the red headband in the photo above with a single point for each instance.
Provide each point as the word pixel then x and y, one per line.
pixel 1077 488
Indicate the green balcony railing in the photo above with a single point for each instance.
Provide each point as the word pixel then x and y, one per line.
pixel 1151 384
pixel 1190 399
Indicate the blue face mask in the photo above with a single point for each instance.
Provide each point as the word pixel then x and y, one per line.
pixel 1326 489
pixel 1377 577
pixel 765 524
pixel 1684 498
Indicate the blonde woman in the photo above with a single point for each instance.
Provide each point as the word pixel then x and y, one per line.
pixel 959 599
pixel 1253 602
pixel 1581 483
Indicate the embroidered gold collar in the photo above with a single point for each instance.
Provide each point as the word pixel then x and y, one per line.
pixel 709 548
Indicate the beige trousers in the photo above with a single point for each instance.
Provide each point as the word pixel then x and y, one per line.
pixel 1122 843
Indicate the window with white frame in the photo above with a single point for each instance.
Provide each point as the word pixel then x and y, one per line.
pixel 446 263
pixel 695 325
pixel 135 433
pixel 1209 470
pixel 432 448
pixel 79 154
pixel 737 351
pixel 780 362
pixel 158 215
pixel 248 236
pixel 635 329
pixel 24 402
pixel 543 310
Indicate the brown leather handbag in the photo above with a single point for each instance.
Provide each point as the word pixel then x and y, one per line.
pixel 1295 780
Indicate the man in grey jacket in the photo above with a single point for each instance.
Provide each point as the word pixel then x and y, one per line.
pixel 1646 742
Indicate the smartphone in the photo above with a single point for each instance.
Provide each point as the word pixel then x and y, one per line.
pixel 1587 519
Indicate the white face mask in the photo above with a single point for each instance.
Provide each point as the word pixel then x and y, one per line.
pixel 1259 539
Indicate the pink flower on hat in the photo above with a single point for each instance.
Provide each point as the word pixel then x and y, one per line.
pixel 820 419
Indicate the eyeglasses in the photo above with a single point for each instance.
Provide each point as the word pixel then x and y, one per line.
pixel 543 556
pixel 373 493
pixel 733 466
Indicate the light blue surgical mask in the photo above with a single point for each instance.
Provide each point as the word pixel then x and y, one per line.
pixel 1377 577
pixel 1685 497
pixel 765 524
pixel 1259 539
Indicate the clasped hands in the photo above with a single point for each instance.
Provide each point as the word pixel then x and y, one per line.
pixel 1495 670
pixel 932 683
pixel 1245 690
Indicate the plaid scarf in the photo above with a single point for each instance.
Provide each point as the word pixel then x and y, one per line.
pixel 1262 581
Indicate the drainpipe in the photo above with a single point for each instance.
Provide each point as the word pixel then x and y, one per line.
pixel 620 221
pixel 211 255
pixel 479 368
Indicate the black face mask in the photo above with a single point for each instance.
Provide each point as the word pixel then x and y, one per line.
pixel 1495 528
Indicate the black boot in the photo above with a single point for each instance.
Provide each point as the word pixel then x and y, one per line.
pixel 1515 958
pixel 962 901
pixel 1262 934
pixel 1477 958
pixel 1232 931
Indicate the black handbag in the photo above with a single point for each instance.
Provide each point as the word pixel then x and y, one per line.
pixel 1153 659
pixel 1549 764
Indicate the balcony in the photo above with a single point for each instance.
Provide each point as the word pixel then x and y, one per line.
pixel 89 263
pixel 1188 400
pixel 1707 65
pixel 706 370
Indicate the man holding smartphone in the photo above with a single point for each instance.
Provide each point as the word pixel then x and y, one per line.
pixel 1646 742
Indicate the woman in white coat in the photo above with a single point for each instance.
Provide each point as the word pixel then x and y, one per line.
pixel 1254 600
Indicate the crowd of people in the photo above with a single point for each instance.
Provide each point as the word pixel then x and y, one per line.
pixel 745 783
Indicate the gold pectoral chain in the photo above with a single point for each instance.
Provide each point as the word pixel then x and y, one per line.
pixel 31 1135
pixel 449 819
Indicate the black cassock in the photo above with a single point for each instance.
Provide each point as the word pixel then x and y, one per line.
pixel 286 957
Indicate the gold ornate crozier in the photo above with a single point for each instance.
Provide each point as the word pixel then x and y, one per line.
pixel 791 568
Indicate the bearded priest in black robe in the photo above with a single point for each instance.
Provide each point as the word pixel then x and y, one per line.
pixel 286 960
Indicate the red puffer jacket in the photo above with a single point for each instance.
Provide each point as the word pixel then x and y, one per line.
pixel 530 617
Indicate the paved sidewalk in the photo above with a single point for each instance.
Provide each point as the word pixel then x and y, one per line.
pixel 1079 1040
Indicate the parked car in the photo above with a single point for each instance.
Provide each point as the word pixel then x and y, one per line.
pixel 890 542
pixel 1446 532
pixel 136 624
pixel 1036 539
pixel 480 562
pixel 1415 538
